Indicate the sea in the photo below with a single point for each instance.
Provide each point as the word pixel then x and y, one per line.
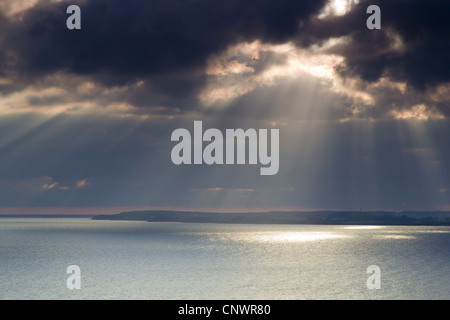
pixel 188 261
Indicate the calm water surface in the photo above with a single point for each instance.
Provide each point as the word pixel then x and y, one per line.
pixel 141 260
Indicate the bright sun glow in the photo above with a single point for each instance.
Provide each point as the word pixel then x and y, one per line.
pixel 337 8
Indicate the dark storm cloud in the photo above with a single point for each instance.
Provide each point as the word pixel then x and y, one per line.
pixel 168 43
pixel 422 26
pixel 141 38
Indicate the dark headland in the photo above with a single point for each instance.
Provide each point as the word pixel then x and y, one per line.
pixel 407 218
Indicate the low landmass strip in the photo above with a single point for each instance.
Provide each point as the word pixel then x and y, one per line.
pixel 407 218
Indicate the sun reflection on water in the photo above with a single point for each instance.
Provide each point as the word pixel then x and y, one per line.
pixel 362 227
pixel 396 236
pixel 296 236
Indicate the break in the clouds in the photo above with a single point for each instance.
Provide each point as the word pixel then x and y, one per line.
pixel 86 115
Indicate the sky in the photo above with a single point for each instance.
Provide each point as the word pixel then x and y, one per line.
pixel 86 116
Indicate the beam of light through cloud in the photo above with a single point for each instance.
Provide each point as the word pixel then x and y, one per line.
pixel 231 79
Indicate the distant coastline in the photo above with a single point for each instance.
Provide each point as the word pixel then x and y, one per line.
pixel 405 218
